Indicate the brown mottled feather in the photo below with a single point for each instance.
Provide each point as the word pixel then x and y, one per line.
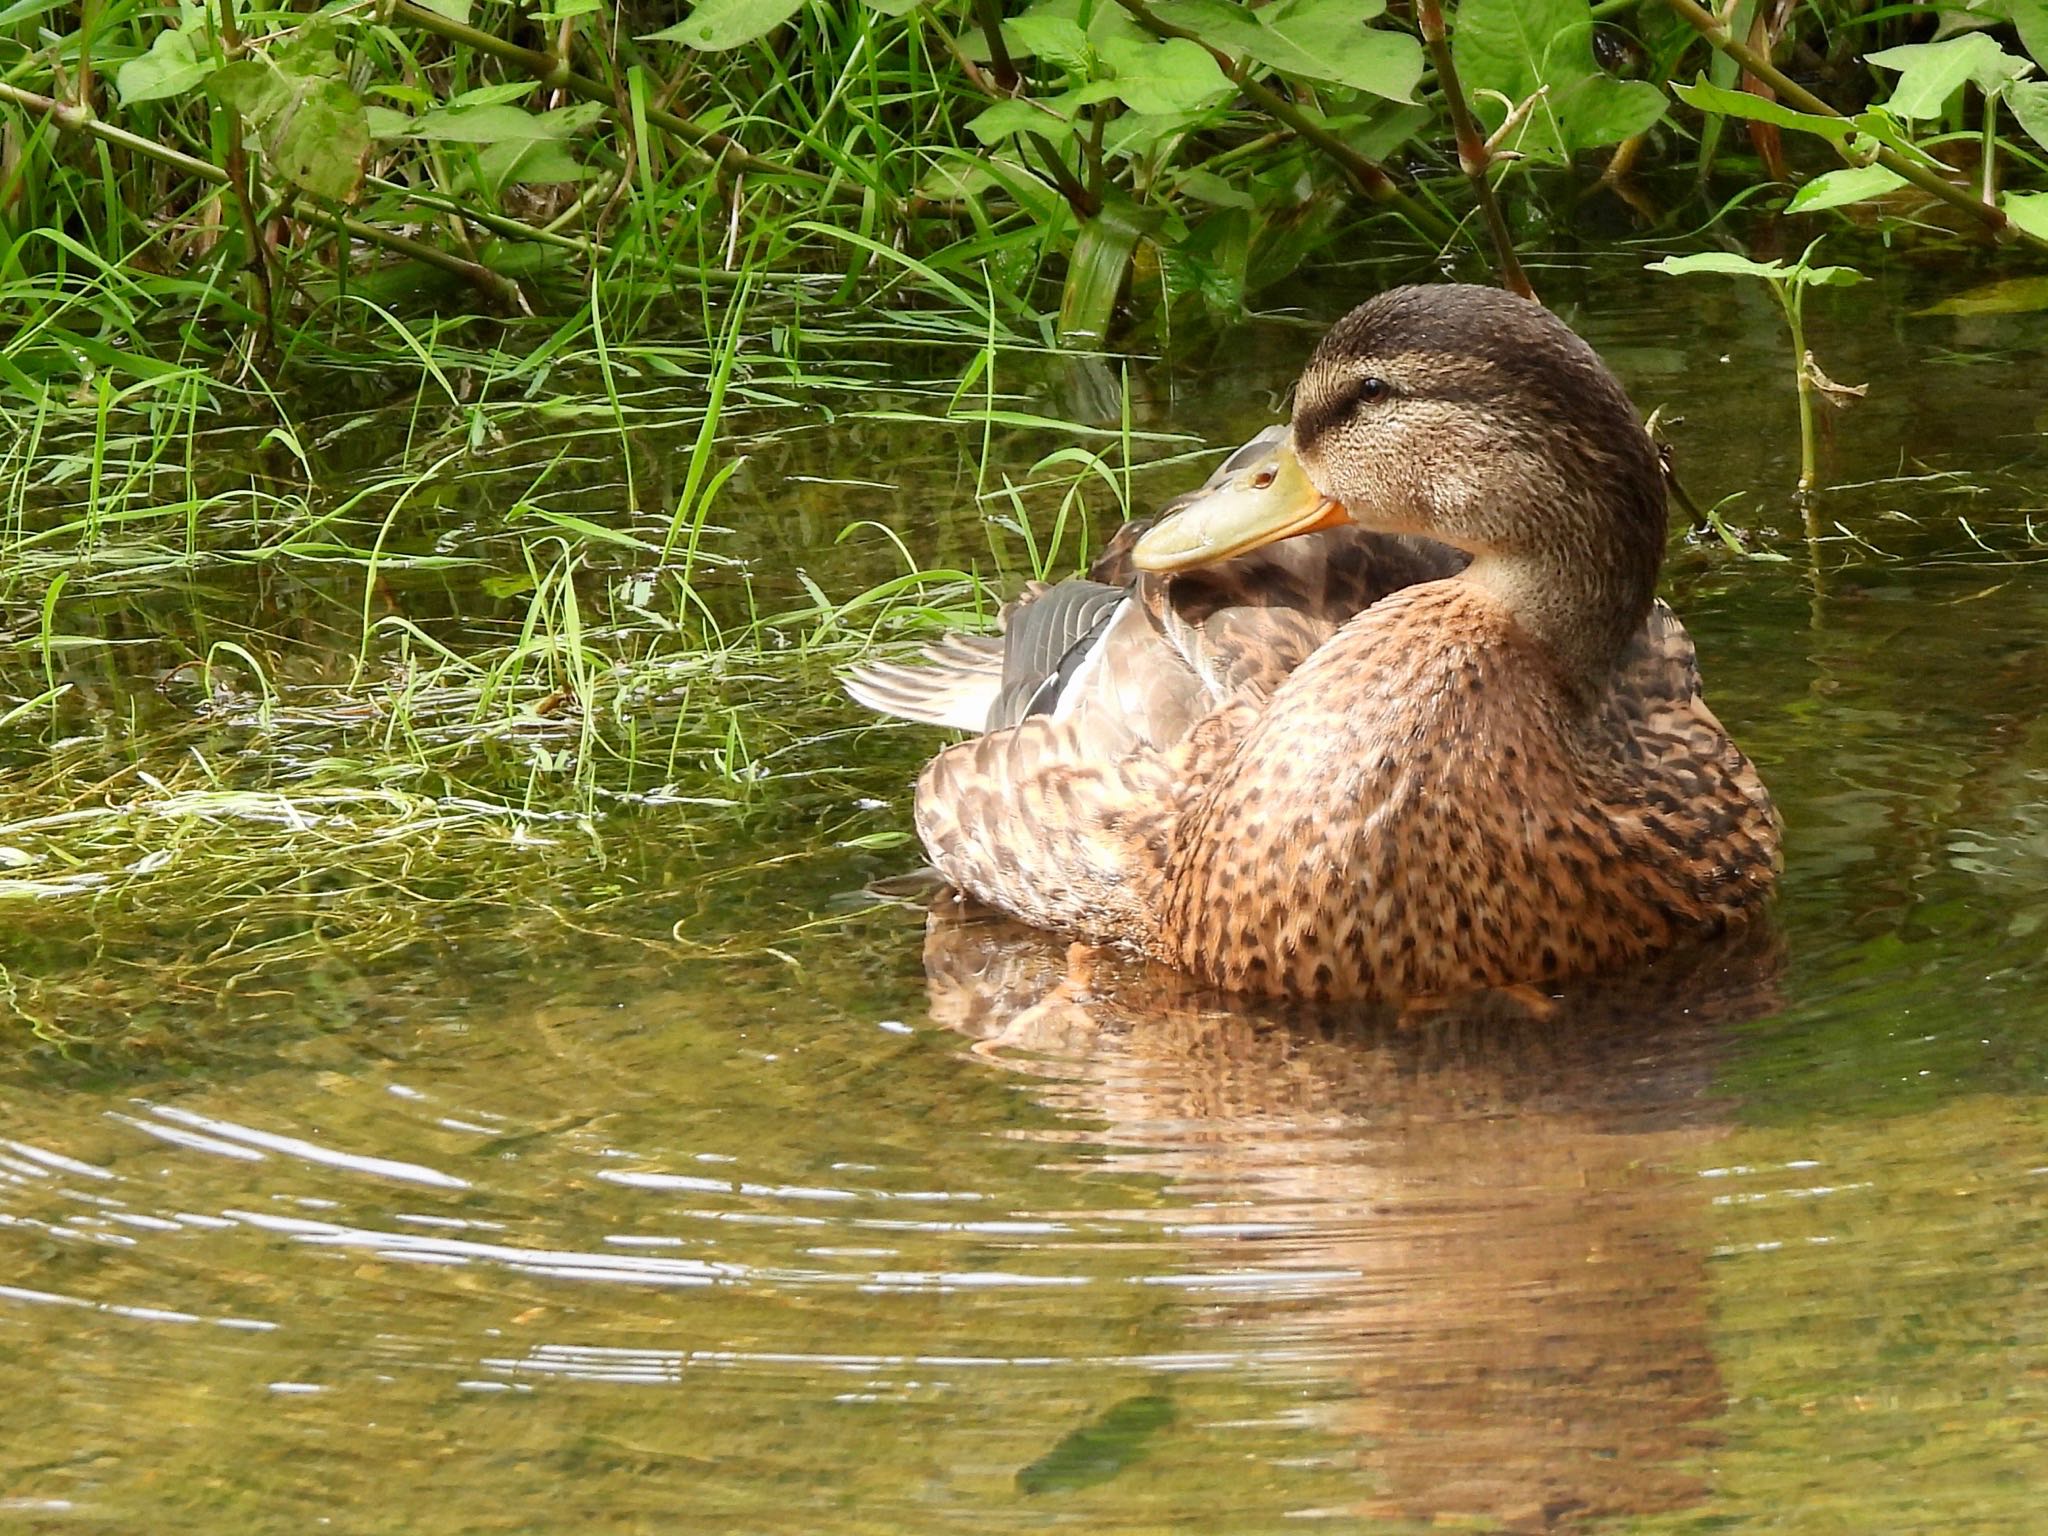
pixel 1497 837
pixel 1043 818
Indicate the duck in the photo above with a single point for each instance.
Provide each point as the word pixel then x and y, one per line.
pixel 1388 710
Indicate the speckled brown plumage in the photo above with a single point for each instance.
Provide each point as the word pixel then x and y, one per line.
pixel 1349 764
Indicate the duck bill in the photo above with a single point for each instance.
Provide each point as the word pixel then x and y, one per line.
pixel 1238 515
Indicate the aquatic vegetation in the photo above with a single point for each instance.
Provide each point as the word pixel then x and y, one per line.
pixel 1788 283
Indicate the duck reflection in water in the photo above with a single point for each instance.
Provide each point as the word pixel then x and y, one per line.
pixel 1495 1205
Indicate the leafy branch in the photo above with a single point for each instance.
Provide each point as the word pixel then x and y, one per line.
pixel 1368 176
pixel 1867 139
pixel 1475 157
pixel 71 118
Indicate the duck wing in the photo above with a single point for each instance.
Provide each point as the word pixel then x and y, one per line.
pixel 1682 782
pixel 1103 705
pixel 984 682
pixel 1142 658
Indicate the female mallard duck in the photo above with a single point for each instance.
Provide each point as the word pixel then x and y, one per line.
pixel 1446 739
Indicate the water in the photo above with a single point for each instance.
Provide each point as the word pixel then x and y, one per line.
pixel 825 1219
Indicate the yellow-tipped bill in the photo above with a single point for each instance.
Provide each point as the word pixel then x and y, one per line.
pixel 1261 494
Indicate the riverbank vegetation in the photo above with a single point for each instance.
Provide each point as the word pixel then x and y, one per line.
pixel 421 416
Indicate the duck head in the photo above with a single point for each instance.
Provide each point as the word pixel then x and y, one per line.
pixel 1470 416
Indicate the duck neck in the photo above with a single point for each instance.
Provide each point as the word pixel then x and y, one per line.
pixel 1584 592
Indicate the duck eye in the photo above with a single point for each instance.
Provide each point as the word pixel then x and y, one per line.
pixel 1373 390
pixel 1262 480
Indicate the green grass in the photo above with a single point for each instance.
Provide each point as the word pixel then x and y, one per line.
pixel 292 679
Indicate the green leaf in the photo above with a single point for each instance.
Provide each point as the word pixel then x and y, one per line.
pixel 1329 40
pixel 454 10
pixel 2029 210
pixel 2029 102
pixel 1099 267
pixel 1056 40
pixel 488 125
pixel 955 177
pixel 1064 33
pixel 1326 41
pixel 893 7
pixel 1132 134
pixel 1878 124
pixel 1708 97
pixel 1714 98
pixel 1600 110
pixel 1513 47
pixel 1729 264
pixel 716 25
pixel 1028 190
pixel 1053 117
pixel 1875 124
pixel 513 164
pixel 171 68
pixel 1376 134
pixel 1166 77
pixel 1930 73
pixel 2005 296
pixel 314 131
pixel 1721 264
pixel 1208 187
pixel 1851 185
pixel 1210 260
pixel 491 95
pixel 309 52
pixel 995 123
pixel 251 87
pixel 2031 17
pixel 1231 28
pixel 321 145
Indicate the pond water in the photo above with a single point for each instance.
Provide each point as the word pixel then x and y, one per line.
pixel 689 1189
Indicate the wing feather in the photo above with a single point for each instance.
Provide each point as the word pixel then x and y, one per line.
pixel 1103 697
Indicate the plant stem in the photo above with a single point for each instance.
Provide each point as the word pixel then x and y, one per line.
pixel 242 183
pixel 1989 182
pixel 88 27
pixel 1098 174
pixel 988 14
pixel 70 119
pixel 1078 197
pixel 1796 95
pixel 1474 158
pixel 1791 300
pixel 1366 175
pixel 499 224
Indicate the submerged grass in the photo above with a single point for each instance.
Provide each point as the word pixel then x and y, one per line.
pixel 301 678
